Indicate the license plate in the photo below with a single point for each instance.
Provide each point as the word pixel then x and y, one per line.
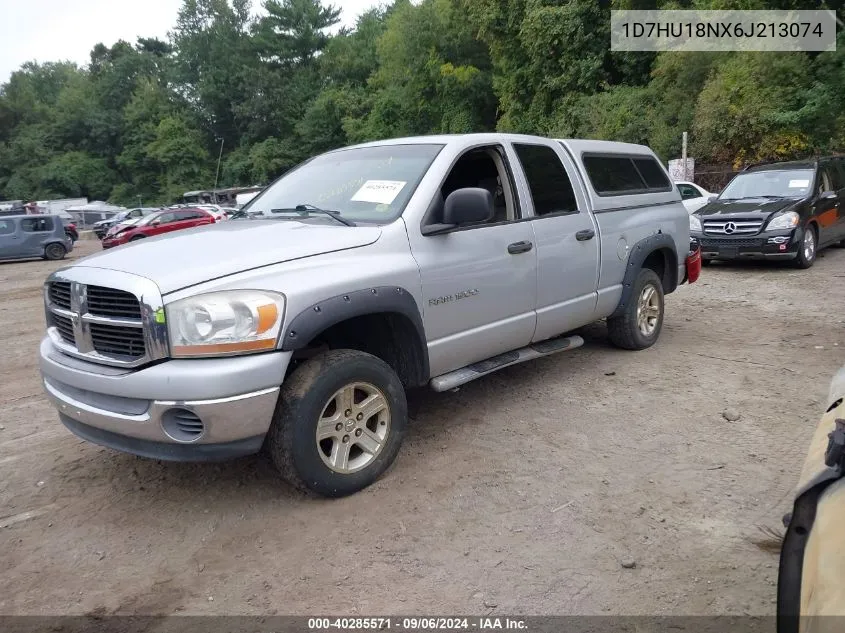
pixel 728 252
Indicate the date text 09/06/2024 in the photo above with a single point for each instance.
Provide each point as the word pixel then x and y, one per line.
pixel 416 624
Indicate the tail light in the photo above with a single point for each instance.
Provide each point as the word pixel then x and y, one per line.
pixel 693 261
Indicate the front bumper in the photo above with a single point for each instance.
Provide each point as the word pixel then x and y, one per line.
pixel 765 245
pixel 110 242
pixel 228 403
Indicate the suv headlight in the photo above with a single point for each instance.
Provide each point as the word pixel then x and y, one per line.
pixel 694 223
pixel 225 323
pixel 786 220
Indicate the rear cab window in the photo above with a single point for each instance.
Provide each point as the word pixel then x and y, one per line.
pixel 618 175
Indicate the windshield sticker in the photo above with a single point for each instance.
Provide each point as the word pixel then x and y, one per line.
pixel 379 191
pixel 798 184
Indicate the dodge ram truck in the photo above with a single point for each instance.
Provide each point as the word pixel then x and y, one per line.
pixel 361 273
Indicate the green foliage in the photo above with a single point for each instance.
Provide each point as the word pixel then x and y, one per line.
pixel 146 120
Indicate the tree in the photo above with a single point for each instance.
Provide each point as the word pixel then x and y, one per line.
pixel 294 31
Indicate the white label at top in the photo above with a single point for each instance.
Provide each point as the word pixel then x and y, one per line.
pixel 798 184
pixel 379 191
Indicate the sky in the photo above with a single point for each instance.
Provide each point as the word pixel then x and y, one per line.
pixel 67 30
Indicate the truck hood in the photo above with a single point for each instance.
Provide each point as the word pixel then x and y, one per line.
pixel 185 258
pixel 747 207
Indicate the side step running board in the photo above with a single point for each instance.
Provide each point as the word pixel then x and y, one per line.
pixel 482 368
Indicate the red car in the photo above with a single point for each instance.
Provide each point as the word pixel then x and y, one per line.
pixel 156 224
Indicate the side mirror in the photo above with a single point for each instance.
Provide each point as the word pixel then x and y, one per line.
pixel 155 222
pixel 827 195
pixel 712 197
pixel 468 206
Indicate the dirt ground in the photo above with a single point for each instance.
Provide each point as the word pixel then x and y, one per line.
pixel 521 493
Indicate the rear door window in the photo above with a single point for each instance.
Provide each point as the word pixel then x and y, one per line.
pixel 551 189
pixel 190 214
pixel 37 225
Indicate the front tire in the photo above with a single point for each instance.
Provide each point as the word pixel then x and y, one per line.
pixel 638 327
pixel 807 249
pixel 137 237
pixel 339 423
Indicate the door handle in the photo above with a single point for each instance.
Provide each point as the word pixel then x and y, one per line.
pixel 520 247
pixel 586 234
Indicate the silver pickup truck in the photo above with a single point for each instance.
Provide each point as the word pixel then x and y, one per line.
pixel 360 273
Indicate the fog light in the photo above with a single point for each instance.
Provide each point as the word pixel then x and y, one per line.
pixel 783 247
pixel 182 425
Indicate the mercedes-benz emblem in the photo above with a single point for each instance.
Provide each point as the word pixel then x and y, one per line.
pixel 730 227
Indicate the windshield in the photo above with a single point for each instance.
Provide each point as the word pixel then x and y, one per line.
pixel 142 221
pixel 368 184
pixel 780 183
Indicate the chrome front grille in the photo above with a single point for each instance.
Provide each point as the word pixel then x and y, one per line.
pixel 113 303
pixel 103 323
pixel 64 326
pixel 118 340
pixel 733 226
pixel 60 294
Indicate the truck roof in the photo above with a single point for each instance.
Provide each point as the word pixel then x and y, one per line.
pixel 575 145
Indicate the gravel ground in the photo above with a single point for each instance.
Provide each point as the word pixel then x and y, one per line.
pixel 592 482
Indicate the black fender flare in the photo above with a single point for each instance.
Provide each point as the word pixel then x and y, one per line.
pixel 320 316
pixel 640 251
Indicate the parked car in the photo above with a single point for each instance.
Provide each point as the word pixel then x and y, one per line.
pixel 27 236
pixel 70 229
pixel 69 223
pixel 693 196
pixel 811 574
pixel 375 268
pixel 159 223
pixel 102 227
pixel 787 210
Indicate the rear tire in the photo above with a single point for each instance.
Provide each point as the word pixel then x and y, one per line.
pixel 639 326
pixel 808 248
pixel 55 251
pixel 706 262
pixel 339 423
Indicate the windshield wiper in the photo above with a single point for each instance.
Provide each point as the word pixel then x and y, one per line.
pixel 305 209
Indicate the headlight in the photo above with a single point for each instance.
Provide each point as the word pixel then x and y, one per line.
pixel 225 323
pixel 786 220
pixel 694 223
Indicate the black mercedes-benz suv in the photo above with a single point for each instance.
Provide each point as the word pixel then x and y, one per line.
pixel 787 210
